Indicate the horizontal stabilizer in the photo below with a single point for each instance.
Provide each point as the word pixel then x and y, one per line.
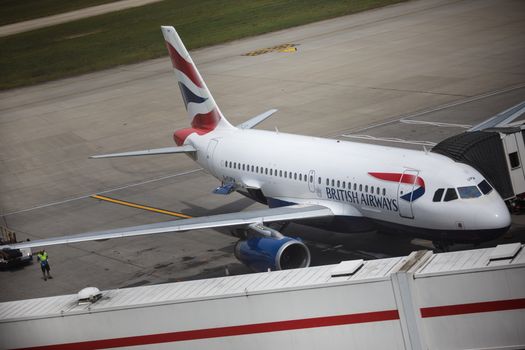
pixel 149 152
pixel 293 212
pixel 256 120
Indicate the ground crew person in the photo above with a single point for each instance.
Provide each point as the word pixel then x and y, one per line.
pixel 43 258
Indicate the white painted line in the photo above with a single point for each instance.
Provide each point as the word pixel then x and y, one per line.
pixel 439 124
pixel 441 107
pixel 102 192
pixel 390 139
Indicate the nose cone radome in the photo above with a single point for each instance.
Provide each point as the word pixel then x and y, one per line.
pixel 493 221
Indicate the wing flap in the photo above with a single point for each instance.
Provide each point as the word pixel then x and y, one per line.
pixel 289 213
pixel 149 152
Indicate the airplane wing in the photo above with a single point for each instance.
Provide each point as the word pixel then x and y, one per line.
pixel 501 119
pixel 149 152
pixel 288 213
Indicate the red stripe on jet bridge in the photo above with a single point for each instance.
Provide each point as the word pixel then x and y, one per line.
pixel 472 308
pixel 184 66
pixel 315 322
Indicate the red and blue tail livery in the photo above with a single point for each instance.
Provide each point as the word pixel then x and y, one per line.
pixel 204 113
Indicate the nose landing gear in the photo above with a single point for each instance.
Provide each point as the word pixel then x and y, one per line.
pixel 442 245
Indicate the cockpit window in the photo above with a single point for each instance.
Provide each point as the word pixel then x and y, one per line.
pixel 469 192
pixel 450 195
pixel 485 187
pixel 438 195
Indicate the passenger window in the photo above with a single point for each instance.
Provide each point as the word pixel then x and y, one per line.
pixel 280 173
pixel 450 195
pixel 372 189
pixel 338 183
pixel 438 195
pixel 360 188
pixel 333 183
pixel 311 179
pixel 266 171
pixel 366 188
pixel 469 192
pixel 305 178
pixel 300 177
pixel 327 182
pixel 378 191
pixel 252 168
pixel 271 171
pixel 485 187
pixel 319 180
pixel 355 186
pixel 344 184
pixel 384 192
pixel 295 176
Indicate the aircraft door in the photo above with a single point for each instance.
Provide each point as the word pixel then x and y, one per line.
pixel 312 185
pixel 405 192
pixel 209 155
pixel 311 180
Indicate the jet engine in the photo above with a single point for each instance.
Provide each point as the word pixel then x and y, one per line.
pixel 263 253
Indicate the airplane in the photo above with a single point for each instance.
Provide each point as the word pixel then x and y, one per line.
pixel 338 185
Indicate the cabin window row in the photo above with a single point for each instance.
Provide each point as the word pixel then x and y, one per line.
pixel 356 187
pixel 268 171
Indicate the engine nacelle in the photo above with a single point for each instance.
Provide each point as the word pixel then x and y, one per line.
pixel 263 253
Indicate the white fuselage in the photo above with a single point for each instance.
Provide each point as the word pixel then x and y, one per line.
pixel 291 168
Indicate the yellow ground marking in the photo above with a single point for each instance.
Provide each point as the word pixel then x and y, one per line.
pixel 139 206
pixel 288 49
pixel 278 48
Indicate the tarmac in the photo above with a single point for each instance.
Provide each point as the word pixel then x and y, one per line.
pixel 444 61
pixel 37 23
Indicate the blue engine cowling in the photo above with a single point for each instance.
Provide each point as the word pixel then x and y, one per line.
pixel 262 253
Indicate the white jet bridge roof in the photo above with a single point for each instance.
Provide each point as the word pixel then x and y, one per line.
pixel 420 263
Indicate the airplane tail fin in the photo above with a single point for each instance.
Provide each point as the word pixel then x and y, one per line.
pixel 204 113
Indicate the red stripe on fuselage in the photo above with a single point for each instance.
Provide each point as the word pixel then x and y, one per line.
pixel 471 308
pixel 256 328
pixel 184 66
pixel 397 177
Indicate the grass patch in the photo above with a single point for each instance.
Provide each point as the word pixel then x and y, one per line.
pixel 12 11
pixel 134 35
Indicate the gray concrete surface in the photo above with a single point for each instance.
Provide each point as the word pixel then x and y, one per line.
pixel 348 75
pixel 37 23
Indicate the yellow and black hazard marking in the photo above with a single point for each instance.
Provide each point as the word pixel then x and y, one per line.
pixel 140 206
pixel 278 48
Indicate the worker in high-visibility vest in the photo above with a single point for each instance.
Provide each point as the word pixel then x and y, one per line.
pixel 43 258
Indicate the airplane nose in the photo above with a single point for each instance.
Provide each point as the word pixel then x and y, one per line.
pixel 500 216
pixel 495 217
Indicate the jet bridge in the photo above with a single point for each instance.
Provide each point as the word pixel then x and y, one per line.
pixel 496 148
pixel 459 300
